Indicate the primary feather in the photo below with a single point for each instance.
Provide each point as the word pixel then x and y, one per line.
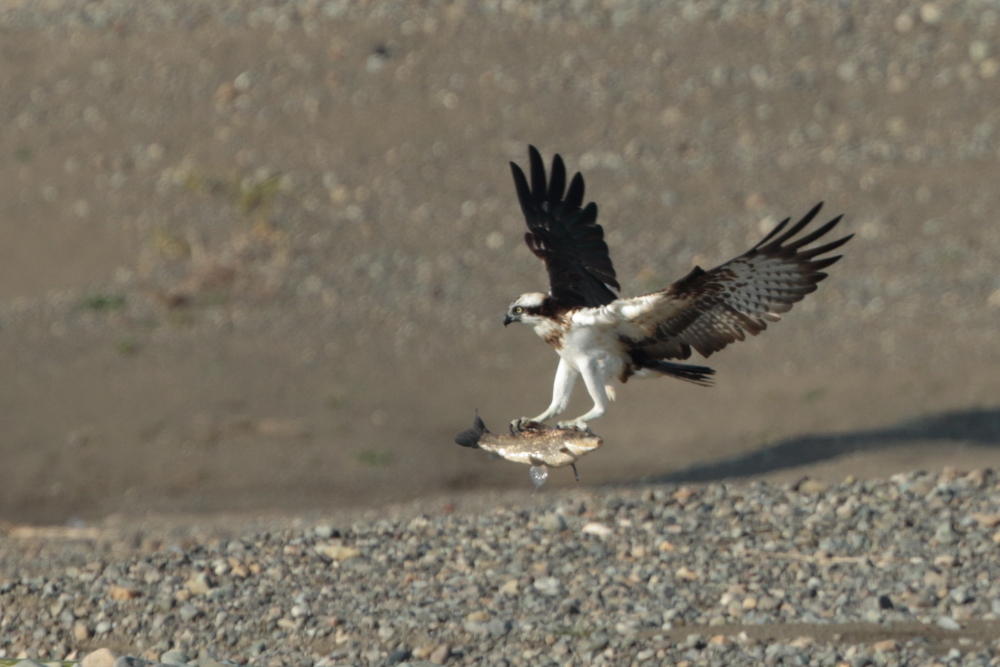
pixel 565 236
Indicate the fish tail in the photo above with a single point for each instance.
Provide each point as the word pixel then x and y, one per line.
pixel 470 437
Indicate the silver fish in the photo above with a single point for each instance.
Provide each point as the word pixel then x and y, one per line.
pixel 535 443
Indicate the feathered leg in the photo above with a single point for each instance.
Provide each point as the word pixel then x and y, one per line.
pixel 562 389
pixel 595 381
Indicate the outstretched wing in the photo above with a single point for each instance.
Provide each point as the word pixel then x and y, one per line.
pixel 708 310
pixel 565 237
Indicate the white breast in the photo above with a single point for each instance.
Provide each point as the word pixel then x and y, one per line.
pixel 592 335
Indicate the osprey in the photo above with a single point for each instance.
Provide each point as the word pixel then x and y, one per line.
pixel 605 338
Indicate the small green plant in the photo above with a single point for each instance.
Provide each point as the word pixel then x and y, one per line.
pixel 181 315
pixel 103 302
pixel 254 193
pixel 373 457
pixel 766 438
pixel 813 395
pixel 575 632
pixel 194 182
pixel 212 297
pixel 172 246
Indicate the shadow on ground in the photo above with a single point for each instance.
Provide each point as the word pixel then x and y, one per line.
pixel 977 427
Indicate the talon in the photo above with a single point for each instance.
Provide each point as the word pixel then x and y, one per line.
pixel 526 424
pixel 574 426
pixel 517 425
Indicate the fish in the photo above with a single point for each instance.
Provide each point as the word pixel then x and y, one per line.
pixel 534 443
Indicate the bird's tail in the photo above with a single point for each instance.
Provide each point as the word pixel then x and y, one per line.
pixel 696 374
pixel 470 437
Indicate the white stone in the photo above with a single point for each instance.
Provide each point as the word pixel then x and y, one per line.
pixel 102 657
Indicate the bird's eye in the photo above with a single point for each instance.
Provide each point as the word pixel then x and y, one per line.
pixel 519 310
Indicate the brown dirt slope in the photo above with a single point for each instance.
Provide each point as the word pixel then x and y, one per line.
pixel 258 259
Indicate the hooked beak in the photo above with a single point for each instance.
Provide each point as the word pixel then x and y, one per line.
pixel 507 319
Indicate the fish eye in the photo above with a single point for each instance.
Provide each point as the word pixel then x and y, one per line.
pixel 518 310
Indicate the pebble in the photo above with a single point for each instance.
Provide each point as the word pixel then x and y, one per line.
pixel 188 612
pixel 440 654
pixel 397 657
pixel 553 522
pixel 814 486
pixel 80 631
pixel 598 529
pixel 548 586
pixel 102 657
pixel 886 645
pixel 339 552
pixel 206 662
pixel 174 658
pixel 116 592
pixel 199 584
pixel 948 623
pixel 130 661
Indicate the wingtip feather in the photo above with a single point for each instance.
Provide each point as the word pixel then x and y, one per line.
pixel 770 234
pixel 797 227
pixel 537 175
pixel 557 180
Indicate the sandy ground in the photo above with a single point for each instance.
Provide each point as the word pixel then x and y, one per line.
pixel 262 269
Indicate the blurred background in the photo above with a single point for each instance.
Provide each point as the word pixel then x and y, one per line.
pixel 255 256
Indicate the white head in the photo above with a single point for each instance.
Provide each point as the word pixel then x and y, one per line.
pixel 529 308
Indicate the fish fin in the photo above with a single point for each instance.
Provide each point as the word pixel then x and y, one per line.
pixel 575 472
pixel 538 475
pixel 470 437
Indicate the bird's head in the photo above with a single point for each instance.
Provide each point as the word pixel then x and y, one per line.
pixel 527 308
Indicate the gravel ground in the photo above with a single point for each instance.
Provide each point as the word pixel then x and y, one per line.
pixel 894 572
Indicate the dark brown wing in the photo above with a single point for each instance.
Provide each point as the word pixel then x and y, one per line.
pixel 565 237
pixel 708 310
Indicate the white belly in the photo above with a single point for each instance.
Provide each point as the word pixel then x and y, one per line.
pixel 596 347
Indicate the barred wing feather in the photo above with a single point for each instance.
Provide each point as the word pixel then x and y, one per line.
pixel 708 310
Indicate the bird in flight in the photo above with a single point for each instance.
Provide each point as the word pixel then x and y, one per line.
pixel 604 338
